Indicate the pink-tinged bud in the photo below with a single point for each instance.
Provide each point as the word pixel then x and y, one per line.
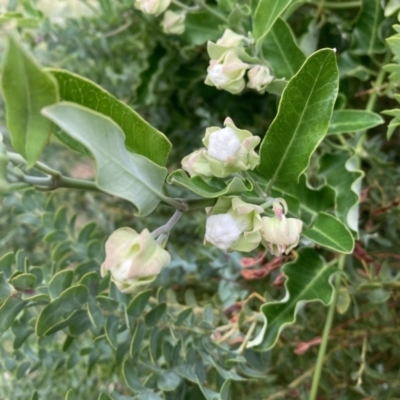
pixel 154 7
pixel 227 73
pixel 133 259
pixel 280 235
pixel 260 77
pixel 196 163
pixel 173 23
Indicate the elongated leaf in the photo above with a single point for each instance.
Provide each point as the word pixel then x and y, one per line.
pixel 344 176
pixel 281 50
pixel 212 188
pixel 308 280
pixel 345 121
pixel 9 310
pixel 265 15
pixel 329 232
pixel 140 136
pixel 303 117
pixel 27 89
pixel 366 40
pixel 129 176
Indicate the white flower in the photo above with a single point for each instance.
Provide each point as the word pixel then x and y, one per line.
pixel 155 7
pixel 227 73
pixel 222 231
pixel 260 77
pixel 233 224
pixel 223 144
pixel 230 39
pixel 173 23
pixel 133 259
pixel 280 235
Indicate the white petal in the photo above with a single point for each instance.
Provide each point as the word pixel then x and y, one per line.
pixel 222 231
pixel 223 144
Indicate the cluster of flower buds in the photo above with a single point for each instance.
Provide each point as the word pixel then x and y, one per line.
pixel 229 63
pixel 233 224
pixel 173 22
pixel 227 151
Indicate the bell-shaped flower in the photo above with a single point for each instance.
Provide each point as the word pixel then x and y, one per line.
pixel 154 7
pixel 260 77
pixel 133 259
pixel 228 150
pixel 233 224
pixel 280 234
pixel 173 22
pixel 227 73
pixel 231 39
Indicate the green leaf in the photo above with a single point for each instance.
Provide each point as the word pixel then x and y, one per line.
pixel 345 121
pixel 9 310
pixel 130 377
pixel 265 15
pixel 311 200
pixel 59 282
pixel 138 303
pixel 27 89
pixel 6 262
pixel 137 338
pixel 168 380
pixel 61 309
pixel 129 176
pixel 344 176
pixel 281 50
pixel 225 391
pixel 201 27
pixel 24 282
pixel 329 232
pixel 366 40
pixel 140 136
pixel 111 330
pixel 153 317
pixel 308 280
pixel 34 396
pixel 5 288
pixel 211 188
pixel 302 120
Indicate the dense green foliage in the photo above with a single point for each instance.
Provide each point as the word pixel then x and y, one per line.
pixel 213 324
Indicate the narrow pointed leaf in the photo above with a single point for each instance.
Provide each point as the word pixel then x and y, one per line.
pixel 214 187
pixel 265 15
pixel 345 121
pixel 308 280
pixel 366 40
pixel 129 176
pixel 303 118
pixel 27 89
pixel 281 50
pixel 329 232
pixel 140 136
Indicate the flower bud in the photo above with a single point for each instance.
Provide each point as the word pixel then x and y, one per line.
pixel 280 235
pixel 260 77
pixel 173 23
pixel 133 259
pixel 230 39
pixel 233 224
pixel 196 163
pixel 155 7
pixel 227 73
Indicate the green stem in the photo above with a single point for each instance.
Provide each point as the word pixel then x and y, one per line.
pixel 212 11
pixel 338 5
pixel 184 6
pixel 178 204
pixel 195 204
pixel 269 186
pixel 168 226
pixel 325 334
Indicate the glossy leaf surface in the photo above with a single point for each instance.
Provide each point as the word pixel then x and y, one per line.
pixel 140 136
pixel 303 118
pixel 212 188
pixel 345 121
pixel 308 280
pixel 26 90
